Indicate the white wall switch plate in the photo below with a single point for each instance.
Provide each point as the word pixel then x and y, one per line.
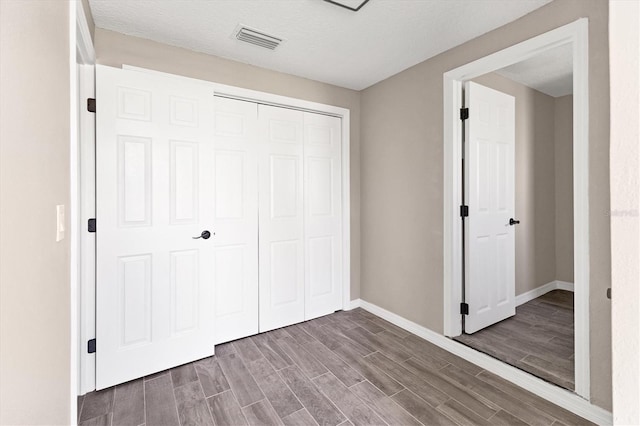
pixel 60 228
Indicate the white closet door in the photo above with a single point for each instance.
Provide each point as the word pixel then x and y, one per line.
pixel 236 219
pixel 154 175
pixel 281 217
pixel 323 214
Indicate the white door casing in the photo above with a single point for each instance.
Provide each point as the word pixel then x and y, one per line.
pixel 489 183
pixel 236 219
pixel 322 215
pixel 281 245
pixel 154 179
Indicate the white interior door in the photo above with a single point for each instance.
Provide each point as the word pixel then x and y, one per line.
pixel 281 246
pixel 236 219
pixel 154 177
pixel 322 214
pixel 489 193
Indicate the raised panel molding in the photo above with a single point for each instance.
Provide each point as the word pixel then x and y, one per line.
pixel 134 104
pixel 282 131
pixel 184 291
pixel 134 276
pixel 229 124
pixel 229 181
pixel 184 112
pixel 284 272
pixel 184 182
pixel 134 187
pixel 284 185
pixel 320 186
pixel 229 270
pixel 321 255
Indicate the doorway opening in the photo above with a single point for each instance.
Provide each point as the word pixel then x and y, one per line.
pixel 519 234
pixel 569 40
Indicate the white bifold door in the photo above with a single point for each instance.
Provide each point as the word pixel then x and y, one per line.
pixel 300 216
pixel 236 219
pixel 489 193
pixel 217 219
pixel 155 180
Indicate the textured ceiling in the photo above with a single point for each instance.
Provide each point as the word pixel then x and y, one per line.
pixel 550 72
pixel 324 42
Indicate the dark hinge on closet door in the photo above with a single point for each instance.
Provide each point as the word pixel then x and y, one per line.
pixel 464 308
pixel 91 346
pixel 91 105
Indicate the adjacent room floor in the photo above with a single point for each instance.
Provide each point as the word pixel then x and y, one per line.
pixel 348 368
pixel 538 339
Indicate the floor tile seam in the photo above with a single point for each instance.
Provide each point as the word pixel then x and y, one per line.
pixel 144 402
pixel 302 409
pixel 277 372
pixel 379 390
pixel 292 391
pixel 237 401
pixel 300 367
pixel 173 393
pixel 496 407
pixel 400 406
pixel 329 399
pixel 439 410
pixel 206 402
pixel 473 394
pixel 531 406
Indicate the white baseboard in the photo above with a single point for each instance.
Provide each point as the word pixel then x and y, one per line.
pixel 561 397
pixel 354 304
pixel 546 288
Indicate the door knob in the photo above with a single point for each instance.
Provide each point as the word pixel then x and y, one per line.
pixel 205 235
pixel 513 222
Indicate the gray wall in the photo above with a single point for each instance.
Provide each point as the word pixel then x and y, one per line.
pixel 563 130
pixel 543 184
pixel 115 49
pixel 34 178
pixel 402 179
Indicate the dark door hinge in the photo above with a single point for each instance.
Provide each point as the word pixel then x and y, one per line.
pixel 464 113
pixel 91 346
pixel 91 225
pixel 91 105
pixel 464 211
pixel 464 309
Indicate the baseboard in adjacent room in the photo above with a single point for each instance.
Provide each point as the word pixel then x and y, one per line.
pixel 543 289
pixel 561 397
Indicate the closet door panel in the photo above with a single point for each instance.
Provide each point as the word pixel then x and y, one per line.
pixel 281 251
pixel 236 220
pixel 323 215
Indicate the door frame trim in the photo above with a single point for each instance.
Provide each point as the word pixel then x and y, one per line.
pixel 87 183
pixel 576 34
pixel 81 259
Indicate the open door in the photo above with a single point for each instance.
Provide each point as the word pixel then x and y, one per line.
pixel 489 230
pixel 155 234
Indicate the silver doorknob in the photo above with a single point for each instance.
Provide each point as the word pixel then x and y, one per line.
pixel 204 235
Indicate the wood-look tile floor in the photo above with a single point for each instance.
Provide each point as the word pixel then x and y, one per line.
pixel 538 339
pixel 348 368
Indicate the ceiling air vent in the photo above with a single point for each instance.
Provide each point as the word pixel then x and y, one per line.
pixel 259 38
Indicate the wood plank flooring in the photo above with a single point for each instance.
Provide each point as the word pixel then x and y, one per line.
pixel 539 339
pixel 348 368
